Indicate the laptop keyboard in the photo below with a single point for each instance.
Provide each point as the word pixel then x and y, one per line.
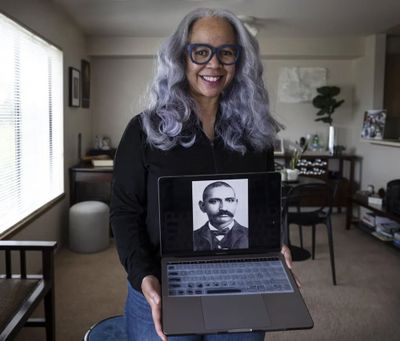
pixel 227 277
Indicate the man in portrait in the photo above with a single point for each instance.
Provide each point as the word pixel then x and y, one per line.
pixel 221 231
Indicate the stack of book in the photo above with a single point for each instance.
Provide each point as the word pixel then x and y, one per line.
pixel 381 227
pixel 368 221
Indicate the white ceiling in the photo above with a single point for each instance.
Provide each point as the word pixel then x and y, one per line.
pixel 275 18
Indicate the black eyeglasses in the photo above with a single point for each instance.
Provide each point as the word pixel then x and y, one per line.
pixel 227 54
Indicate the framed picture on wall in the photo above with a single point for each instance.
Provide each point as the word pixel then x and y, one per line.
pixel 74 87
pixel 85 69
pixel 278 147
pixel 373 124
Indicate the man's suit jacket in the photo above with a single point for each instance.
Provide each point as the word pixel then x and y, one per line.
pixel 236 238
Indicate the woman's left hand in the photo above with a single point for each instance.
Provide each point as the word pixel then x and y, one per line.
pixel 288 258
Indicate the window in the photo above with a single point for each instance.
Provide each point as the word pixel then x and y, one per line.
pixel 31 123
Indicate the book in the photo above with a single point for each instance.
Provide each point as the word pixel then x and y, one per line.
pixel 384 232
pixel 382 237
pixel 374 219
pixel 368 218
pixel 385 220
pixel 377 201
pixel 388 227
pixel 103 162
pixel 366 228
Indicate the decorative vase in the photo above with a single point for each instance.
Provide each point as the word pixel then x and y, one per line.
pixel 331 139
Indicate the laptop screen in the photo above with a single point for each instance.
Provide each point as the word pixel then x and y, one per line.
pixel 228 213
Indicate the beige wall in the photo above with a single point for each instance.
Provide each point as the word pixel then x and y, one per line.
pixel 46 19
pixel 380 163
pixel 122 70
pixel 299 118
pixel 118 93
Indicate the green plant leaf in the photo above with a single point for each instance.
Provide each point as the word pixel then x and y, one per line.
pixel 339 103
pixel 321 102
pixel 330 91
pixel 326 102
pixel 326 119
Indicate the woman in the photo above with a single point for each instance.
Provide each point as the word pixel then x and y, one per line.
pixel 208 114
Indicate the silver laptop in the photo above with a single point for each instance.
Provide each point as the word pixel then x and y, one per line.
pixel 222 270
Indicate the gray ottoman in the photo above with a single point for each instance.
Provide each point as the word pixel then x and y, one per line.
pixel 89 227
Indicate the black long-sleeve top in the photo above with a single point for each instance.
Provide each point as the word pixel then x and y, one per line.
pixel 137 167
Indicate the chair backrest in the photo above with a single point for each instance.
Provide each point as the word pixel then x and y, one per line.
pixel 313 197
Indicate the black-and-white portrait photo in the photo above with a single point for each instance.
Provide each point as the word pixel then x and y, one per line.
pixel 220 215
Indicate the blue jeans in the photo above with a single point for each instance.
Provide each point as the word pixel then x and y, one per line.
pixel 140 325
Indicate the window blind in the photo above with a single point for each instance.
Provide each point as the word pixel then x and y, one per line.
pixel 31 123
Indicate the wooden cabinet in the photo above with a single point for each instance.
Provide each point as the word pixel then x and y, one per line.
pixel 392 85
pixel 391 99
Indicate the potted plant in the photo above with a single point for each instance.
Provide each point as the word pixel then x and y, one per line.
pixel 326 102
pixel 295 159
pixel 292 173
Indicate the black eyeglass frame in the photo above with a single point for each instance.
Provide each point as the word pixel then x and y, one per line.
pixel 214 51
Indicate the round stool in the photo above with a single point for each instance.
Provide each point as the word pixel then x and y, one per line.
pixel 109 329
pixel 89 227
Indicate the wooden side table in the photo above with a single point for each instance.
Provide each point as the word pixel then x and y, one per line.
pixel 86 173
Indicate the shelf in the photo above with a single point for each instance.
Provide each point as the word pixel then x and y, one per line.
pixel 363 227
pixel 390 143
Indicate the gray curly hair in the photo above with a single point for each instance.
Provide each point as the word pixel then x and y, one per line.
pixel 245 119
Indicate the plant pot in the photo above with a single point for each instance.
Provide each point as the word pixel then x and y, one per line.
pixel 292 174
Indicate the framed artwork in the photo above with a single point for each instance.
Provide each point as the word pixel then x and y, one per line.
pixel 85 69
pixel 278 147
pixel 373 124
pixel 74 87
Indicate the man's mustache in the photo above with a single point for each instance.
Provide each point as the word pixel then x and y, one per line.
pixel 222 212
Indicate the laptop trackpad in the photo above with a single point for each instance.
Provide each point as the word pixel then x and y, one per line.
pixel 234 312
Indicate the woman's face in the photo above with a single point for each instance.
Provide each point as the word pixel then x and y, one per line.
pixel 207 81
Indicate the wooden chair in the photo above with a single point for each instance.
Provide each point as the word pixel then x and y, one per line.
pixel 20 292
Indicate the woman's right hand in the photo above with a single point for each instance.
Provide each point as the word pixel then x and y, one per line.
pixel 152 292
